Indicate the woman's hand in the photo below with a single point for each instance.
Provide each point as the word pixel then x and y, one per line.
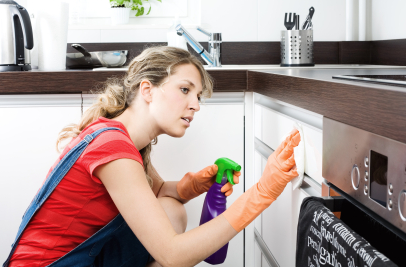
pixel 194 184
pixel 279 171
pixel 280 167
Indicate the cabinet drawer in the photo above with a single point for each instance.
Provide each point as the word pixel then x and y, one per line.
pixel 271 127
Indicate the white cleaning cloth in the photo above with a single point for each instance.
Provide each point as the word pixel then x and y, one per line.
pixel 299 154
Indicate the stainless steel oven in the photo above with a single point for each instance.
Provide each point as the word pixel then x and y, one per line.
pixel 369 171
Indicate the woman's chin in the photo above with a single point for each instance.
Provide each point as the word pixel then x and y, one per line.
pixel 177 133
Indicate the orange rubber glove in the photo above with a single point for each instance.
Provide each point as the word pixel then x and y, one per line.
pixel 194 184
pixel 279 171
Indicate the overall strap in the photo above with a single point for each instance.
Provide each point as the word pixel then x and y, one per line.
pixel 57 174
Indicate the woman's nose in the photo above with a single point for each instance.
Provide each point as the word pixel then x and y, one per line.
pixel 195 105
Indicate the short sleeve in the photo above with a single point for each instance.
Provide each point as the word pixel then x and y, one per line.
pixel 108 146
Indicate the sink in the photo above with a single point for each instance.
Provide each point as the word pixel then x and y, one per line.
pixel 273 67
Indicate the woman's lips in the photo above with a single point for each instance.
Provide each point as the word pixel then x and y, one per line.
pixel 186 122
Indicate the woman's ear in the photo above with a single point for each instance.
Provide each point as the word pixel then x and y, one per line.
pixel 146 90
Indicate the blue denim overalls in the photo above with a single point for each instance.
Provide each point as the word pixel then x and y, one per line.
pixel 113 245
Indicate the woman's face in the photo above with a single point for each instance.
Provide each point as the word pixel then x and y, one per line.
pixel 175 103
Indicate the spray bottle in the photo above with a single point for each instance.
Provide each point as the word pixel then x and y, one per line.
pixel 215 202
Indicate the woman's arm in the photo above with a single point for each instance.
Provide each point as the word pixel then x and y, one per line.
pixel 162 188
pixel 126 183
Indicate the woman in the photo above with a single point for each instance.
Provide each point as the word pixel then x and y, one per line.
pixel 103 203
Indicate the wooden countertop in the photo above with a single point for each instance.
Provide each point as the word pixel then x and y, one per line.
pixel 376 108
pixel 78 81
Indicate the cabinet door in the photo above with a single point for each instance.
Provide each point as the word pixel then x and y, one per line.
pixel 216 131
pixel 273 127
pixel 27 140
pixel 279 222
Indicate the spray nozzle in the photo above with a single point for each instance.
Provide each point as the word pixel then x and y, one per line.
pixel 228 166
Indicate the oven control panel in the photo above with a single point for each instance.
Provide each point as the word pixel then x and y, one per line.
pixel 368 167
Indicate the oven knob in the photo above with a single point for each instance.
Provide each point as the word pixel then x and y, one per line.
pixel 366 190
pixel 355 176
pixel 390 189
pixel 366 176
pixel 366 162
pixel 390 204
pixel 402 205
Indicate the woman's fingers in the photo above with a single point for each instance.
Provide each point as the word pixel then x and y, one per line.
pixel 229 192
pixel 226 187
pixel 288 164
pixel 286 141
pixel 288 150
pixel 236 177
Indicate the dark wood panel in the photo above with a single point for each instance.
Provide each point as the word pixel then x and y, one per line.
pixel 57 82
pixel 233 53
pixel 229 80
pixel 325 52
pixel 249 53
pixel 388 52
pixel 355 52
pixel 378 111
pixel 71 82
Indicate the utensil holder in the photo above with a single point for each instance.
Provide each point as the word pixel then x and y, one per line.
pixel 297 48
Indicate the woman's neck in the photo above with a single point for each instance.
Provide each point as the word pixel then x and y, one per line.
pixel 141 127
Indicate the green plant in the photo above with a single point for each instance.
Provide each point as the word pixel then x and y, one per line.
pixel 133 4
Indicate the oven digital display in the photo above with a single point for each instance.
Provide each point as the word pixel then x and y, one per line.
pixel 378 176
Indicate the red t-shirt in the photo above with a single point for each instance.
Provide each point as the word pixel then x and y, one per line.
pixel 80 204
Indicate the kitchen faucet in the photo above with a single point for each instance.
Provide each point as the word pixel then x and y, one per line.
pixel 213 56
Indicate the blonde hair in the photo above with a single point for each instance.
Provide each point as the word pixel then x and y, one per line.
pixel 155 64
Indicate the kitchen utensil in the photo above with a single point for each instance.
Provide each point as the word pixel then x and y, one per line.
pixel 290 24
pixel 308 25
pixel 16 37
pixel 297 27
pixel 297 48
pixel 90 60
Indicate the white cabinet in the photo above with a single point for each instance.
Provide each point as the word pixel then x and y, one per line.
pixel 277 225
pixel 29 126
pixel 216 131
pixel 272 127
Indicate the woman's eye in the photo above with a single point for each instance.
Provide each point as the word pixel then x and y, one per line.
pixel 184 90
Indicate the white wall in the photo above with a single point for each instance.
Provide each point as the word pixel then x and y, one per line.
pixel 387 19
pixel 237 20
pixel 257 20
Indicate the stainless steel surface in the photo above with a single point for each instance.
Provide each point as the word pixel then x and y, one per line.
pixel 402 205
pixel 265 250
pixel 297 48
pixel 89 60
pixel 326 74
pixel 370 79
pixel 9 60
pixel 344 146
pixel 213 56
pixel 355 177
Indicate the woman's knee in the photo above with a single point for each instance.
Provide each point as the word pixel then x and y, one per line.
pixel 176 213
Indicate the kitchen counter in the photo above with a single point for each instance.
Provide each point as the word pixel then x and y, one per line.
pixel 380 109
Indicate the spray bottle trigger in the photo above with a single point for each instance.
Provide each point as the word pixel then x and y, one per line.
pixel 230 175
